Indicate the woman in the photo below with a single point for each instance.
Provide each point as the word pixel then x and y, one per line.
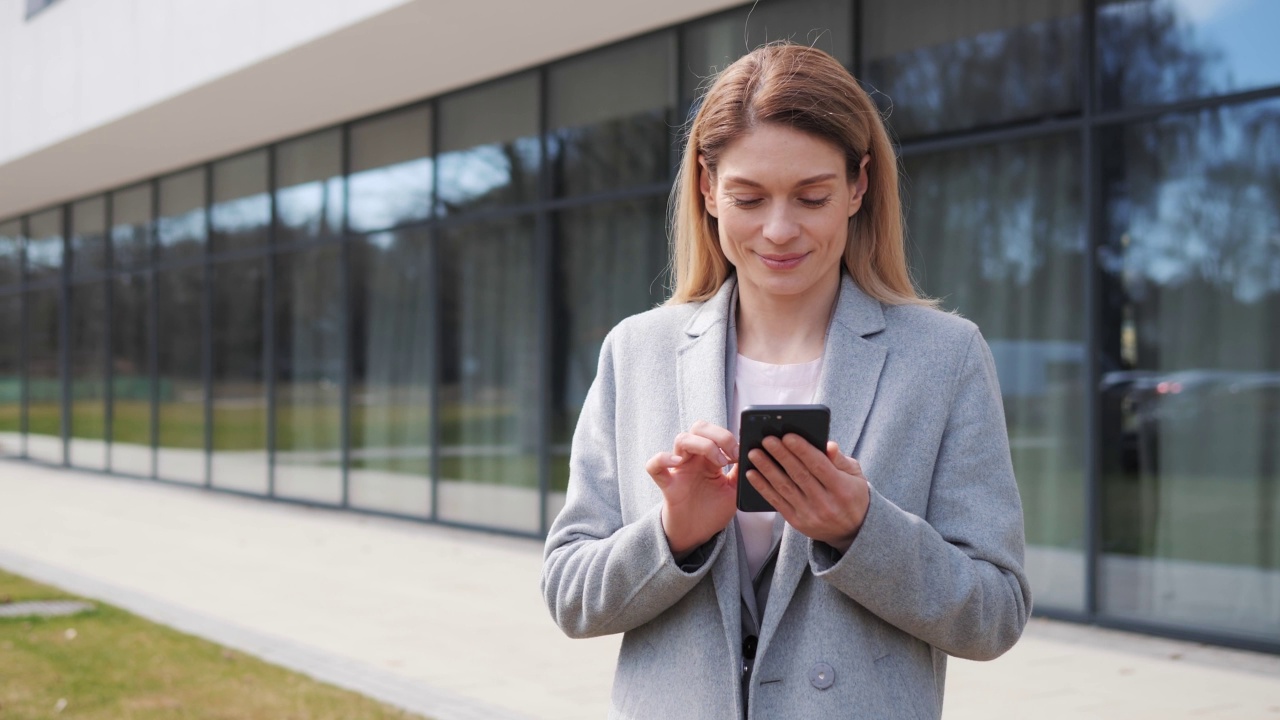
pixel 791 284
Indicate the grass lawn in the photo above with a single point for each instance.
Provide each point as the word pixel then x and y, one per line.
pixel 116 666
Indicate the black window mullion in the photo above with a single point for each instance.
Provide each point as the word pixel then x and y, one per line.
pixel 153 323
pixel 345 282
pixel 206 325
pixel 64 336
pixel 1092 183
pixel 25 330
pixel 436 326
pixel 108 325
pixel 269 323
pixel 542 292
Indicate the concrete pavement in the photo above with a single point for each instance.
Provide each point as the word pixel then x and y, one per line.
pixel 450 623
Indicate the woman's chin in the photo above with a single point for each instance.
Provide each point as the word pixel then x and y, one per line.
pixel 784 284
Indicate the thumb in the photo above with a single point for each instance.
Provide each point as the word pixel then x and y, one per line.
pixel 841 461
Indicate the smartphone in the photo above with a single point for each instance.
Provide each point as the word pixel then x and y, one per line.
pixel 811 422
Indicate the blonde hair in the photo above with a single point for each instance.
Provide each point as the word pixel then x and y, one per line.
pixel 808 90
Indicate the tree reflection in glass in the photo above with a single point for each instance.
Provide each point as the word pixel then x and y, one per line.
pixel 489 149
pixel 711 44
pixel 390 181
pixel 605 134
pixel 131 227
pixel 489 388
pixel 392 372
pixel 1191 421
pixel 10 253
pixel 1155 51
pixel 241 211
pixel 308 176
pixel 611 263
pixel 939 65
pixel 997 233
pixel 181 230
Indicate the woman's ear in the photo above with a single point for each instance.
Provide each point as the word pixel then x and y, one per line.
pixel 704 186
pixel 858 188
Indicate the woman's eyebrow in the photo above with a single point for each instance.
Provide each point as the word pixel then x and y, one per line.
pixel 807 181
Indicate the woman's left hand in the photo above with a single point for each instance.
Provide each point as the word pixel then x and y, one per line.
pixel 823 495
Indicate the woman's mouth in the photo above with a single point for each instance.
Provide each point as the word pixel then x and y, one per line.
pixel 782 262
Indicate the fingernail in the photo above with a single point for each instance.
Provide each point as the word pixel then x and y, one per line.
pixel 677 458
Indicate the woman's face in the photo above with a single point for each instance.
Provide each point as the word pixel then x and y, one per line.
pixel 783 201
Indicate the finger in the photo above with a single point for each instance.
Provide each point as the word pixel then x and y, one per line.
pixel 660 463
pixel 718 435
pixel 823 475
pixel 775 476
pixel 846 463
pixel 688 444
pixel 767 491
pixel 785 455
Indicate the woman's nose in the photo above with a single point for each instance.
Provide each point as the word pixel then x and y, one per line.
pixel 780 227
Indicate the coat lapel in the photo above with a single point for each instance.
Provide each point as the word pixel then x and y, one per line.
pixel 701 385
pixel 851 367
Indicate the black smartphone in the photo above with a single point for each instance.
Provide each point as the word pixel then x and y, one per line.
pixel 811 422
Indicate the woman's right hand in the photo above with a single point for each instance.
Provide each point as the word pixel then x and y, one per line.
pixel 698 497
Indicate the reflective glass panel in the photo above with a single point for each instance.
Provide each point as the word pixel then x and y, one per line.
pixel 241 212
pixel 10 253
pixel 130 376
pixel 44 247
pixel 392 338
pixel 44 377
pixel 180 372
pixel 11 441
pixel 390 182
pixel 997 233
pixel 309 187
pixel 181 228
pixel 1157 51
pixel 89 237
pixel 610 263
pixel 490 425
pixel 239 460
pixel 308 389
pixel 1190 423
pixel 940 65
pixel 607 134
pixel 88 447
pixel 712 44
pixel 489 146
pixel 130 227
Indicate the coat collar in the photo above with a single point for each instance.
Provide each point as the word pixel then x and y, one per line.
pixel 851 366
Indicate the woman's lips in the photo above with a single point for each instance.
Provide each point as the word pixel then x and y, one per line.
pixel 782 262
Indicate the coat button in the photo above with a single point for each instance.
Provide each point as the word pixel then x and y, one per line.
pixel 822 676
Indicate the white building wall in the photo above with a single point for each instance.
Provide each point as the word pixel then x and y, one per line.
pixel 97 93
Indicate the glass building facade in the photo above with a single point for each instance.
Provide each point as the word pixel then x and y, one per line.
pixel 402 314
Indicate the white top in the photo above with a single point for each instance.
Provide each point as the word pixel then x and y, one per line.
pixel 758 383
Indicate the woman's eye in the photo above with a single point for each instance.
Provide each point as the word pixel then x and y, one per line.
pixel 815 202
pixel 746 203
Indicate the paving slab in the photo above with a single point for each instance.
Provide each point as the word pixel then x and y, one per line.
pixel 450 623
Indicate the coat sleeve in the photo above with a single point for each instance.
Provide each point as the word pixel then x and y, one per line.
pixel 954 578
pixel 599 574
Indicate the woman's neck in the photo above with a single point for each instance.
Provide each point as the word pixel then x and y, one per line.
pixel 785 330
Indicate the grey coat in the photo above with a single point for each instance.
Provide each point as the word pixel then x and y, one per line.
pixel 936 569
